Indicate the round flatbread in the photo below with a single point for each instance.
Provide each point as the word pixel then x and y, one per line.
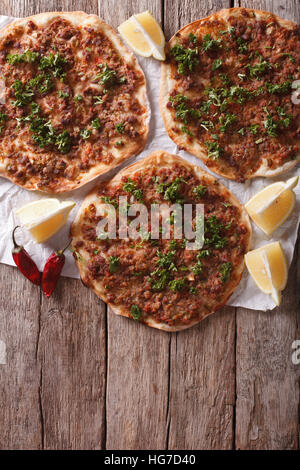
pixel 159 281
pixel 226 92
pixel 73 101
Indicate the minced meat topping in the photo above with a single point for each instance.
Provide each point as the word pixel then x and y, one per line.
pixel 233 92
pixel 162 278
pixel 70 103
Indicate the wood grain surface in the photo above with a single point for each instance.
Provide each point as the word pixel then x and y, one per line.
pixel 78 377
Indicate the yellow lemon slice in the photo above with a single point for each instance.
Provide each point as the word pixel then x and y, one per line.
pixel 273 205
pixel 144 35
pixel 268 268
pixel 45 217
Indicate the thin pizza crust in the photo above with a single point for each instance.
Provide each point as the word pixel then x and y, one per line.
pixel 167 84
pixel 81 20
pixel 157 159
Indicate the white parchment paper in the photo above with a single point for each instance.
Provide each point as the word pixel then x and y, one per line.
pixel 12 197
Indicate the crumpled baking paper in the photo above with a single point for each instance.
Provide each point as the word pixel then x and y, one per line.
pixel 12 197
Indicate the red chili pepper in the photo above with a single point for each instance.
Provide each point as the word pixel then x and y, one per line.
pixel 52 270
pixel 24 262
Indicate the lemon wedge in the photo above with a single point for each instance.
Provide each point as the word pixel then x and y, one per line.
pixel 273 205
pixel 45 217
pixel 268 268
pixel 144 35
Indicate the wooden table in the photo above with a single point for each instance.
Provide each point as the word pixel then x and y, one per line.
pixel 79 377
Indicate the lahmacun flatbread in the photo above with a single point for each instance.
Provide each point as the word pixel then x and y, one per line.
pixel 226 91
pixel 159 281
pixel 74 104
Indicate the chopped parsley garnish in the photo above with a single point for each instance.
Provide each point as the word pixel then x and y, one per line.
pixel 78 98
pixel 173 245
pixel 286 118
pixel 270 125
pixel 166 260
pixel 186 130
pixel 114 263
pixel 242 45
pixel 193 290
pixel 43 132
pixel 253 128
pixel 226 121
pixel 85 133
pixel 213 227
pixel 228 225
pixel 183 112
pixel 230 31
pixel 54 62
pixel 131 187
pixel 214 150
pixel 63 142
pixel 192 38
pixel 159 278
pixel 171 190
pixel 207 125
pixel 241 94
pixel 225 270
pixel 217 64
pixel 281 89
pixel 98 99
pixel 197 268
pixel 225 79
pixel 258 69
pixel 210 43
pixel 107 76
pixel 218 97
pixel 62 94
pixel 96 123
pixel 23 94
pixel 200 190
pixel 42 82
pixel 120 128
pixel 203 254
pixel 290 56
pixel 177 285
pixel 109 200
pixel 27 56
pixel 3 117
pixel 187 58
pixel 136 312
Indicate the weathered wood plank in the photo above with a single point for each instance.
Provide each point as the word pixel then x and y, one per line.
pixel 267 381
pixel 137 385
pixel 22 8
pixel 72 355
pixel 114 11
pixel 137 381
pixel 20 418
pixel 202 397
